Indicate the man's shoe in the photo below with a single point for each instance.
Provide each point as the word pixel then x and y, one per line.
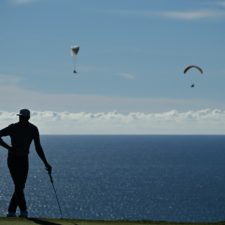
pixel 23 214
pixel 10 214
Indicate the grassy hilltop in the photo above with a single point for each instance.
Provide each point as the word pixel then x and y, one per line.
pixel 40 221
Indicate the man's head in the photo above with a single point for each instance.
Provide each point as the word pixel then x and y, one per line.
pixel 24 114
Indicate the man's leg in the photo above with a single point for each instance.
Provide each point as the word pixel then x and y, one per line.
pixel 18 167
pixel 13 205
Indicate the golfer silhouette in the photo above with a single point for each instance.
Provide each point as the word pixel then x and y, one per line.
pixel 22 134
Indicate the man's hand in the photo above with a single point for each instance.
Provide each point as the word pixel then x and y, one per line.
pixel 10 148
pixel 5 145
pixel 48 168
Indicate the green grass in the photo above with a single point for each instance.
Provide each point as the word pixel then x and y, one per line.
pixel 40 221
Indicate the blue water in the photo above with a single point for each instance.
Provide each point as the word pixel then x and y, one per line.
pixel 175 178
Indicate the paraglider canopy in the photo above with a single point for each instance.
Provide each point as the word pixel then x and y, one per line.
pixel 74 50
pixel 193 66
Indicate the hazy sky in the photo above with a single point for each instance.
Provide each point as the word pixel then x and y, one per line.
pixel 130 65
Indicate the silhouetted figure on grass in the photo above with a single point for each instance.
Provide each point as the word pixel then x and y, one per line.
pixel 22 134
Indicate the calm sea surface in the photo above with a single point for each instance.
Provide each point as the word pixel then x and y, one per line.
pixel 176 178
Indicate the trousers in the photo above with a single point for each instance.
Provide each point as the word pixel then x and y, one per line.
pixel 18 166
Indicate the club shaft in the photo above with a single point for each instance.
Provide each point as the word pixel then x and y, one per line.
pixel 51 180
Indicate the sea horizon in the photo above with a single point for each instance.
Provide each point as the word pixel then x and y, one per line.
pixel 126 177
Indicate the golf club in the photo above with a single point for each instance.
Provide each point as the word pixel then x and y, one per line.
pixel 51 179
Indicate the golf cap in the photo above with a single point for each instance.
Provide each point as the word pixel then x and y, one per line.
pixel 24 113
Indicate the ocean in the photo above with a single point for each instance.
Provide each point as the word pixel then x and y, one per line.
pixel 125 177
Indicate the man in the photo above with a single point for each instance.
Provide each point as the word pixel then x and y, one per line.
pixel 22 134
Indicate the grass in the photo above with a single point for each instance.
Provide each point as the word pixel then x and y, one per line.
pixel 43 221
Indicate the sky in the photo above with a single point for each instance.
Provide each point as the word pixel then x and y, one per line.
pixel 130 65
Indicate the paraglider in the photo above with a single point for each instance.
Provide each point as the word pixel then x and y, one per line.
pixel 74 51
pixel 199 69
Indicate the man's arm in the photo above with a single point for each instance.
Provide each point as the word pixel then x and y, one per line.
pixel 4 144
pixel 41 153
pixel 4 132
